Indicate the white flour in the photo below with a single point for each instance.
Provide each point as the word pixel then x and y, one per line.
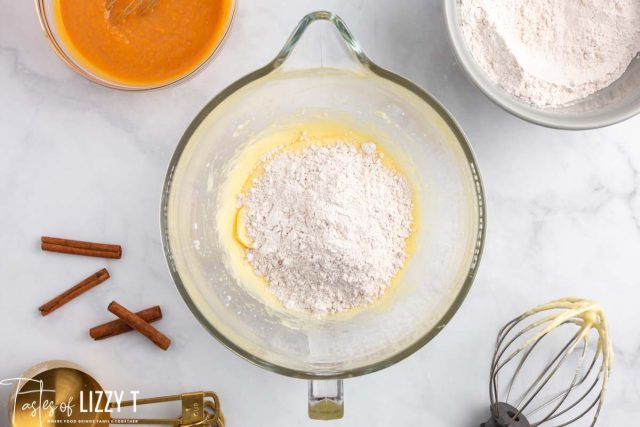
pixel 552 52
pixel 329 226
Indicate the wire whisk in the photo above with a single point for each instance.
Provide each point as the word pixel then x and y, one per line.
pixel 119 10
pixel 557 387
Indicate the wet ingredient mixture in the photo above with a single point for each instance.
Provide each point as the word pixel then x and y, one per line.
pixel 160 45
pixel 326 225
pixel 552 52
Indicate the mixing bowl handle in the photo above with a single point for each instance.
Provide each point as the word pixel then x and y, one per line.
pixel 326 50
pixel 326 400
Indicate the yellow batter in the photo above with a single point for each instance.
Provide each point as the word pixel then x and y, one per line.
pixel 248 164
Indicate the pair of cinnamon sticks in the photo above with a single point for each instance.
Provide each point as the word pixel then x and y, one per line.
pixel 119 326
pixel 137 321
pixel 128 320
pixel 77 247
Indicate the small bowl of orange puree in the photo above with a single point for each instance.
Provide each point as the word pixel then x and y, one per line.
pixel 148 49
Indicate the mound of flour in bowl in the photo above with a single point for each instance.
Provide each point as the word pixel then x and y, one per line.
pixel 552 52
pixel 328 226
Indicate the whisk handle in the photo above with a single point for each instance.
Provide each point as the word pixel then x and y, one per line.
pixel 505 415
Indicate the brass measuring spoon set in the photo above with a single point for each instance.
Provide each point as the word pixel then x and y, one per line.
pixel 61 393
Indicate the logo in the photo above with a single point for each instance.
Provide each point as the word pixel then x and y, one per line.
pixel 36 404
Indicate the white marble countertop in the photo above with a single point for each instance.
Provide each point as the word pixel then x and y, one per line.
pixel 88 162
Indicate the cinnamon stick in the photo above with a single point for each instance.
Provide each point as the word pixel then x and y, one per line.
pixel 89 283
pixel 140 325
pixel 77 247
pixel 117 327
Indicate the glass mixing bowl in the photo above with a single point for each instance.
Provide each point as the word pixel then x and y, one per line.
pixel 615 103
pixel 46 15
pixel 323 72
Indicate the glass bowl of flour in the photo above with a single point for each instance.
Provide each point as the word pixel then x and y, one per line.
pixel 567 65
pixel 322 83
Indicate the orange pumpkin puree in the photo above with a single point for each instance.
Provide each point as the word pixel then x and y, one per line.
pixel 162 45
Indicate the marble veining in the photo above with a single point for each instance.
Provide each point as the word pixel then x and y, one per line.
pixel 84 161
